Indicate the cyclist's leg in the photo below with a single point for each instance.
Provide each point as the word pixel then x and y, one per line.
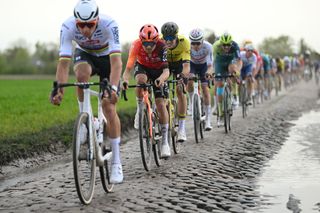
pixel 220 70
pixel 83 69
pixel 233 68
pixel 190 88
pixel 141 77
pixel 113 125
pixel 206 95
pixel 182 105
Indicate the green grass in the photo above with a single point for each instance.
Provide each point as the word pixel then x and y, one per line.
pixel 28 119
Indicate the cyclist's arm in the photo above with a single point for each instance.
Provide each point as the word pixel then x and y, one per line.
pixel 62 73
pixel 130 63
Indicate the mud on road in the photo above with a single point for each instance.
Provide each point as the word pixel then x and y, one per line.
pixel 217 175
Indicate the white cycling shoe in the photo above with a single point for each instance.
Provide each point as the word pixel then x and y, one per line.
pixel 116 173
pixel 207 126
pixel 182 135
pixel 136 121
pixel 165 150
pixel 83 133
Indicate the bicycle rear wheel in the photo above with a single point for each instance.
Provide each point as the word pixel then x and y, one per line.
pixel 196 117
pixel 156 139
pixel 84 163
pixel 226 113
pixel 145 137
pixel 106 169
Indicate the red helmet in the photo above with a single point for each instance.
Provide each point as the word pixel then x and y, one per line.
pixel 149 32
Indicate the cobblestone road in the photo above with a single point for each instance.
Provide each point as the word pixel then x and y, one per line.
pixel 216 175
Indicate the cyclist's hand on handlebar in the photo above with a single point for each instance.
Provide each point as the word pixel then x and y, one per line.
pixel 56 96
pixel 159 82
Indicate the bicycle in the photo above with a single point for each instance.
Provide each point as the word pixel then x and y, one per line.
pixel 227 99
pixel 172 107
pixel 244 98
pixel 149 127
pixel 198 115
pixel 89 142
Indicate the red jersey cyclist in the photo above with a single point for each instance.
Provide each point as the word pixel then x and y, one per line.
pixel 148 57
pixel 98 51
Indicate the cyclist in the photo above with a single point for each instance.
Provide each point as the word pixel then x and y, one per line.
pixel 249 60
pixel 226 55
pixel 201 63
pixel 267 74
pixel 98 51
pixel 178 56
pixel 148 57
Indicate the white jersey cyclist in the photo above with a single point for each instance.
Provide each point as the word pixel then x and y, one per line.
pixel 104 40
pixel 251 60
pixel 203 55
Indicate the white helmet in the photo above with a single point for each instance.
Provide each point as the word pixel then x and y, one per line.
pixel 249 47
pixel 196 35
pixel 86 10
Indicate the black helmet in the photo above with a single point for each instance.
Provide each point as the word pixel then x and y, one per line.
pixel 169 28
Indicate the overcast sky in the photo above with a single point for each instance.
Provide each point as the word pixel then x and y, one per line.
pixel 40 20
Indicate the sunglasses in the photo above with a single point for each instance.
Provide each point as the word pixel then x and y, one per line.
pixel 148 43
pixel 88 24
pixel 169 38
pixel 226 45
pixel 196 43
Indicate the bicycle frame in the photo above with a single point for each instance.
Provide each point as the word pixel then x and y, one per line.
pixel 98 138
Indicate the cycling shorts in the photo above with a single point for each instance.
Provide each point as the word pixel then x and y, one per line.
pixel 199 69
pixel 152 75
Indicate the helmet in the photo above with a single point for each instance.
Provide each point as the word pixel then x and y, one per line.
pixel 149 32
pixel 249 47
pixel 86 10
pixel 247 41
pixel 226 38
pixel 169 28
pixel 196 35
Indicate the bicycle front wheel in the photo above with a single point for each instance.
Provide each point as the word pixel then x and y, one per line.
pixel 226 113
pixel 145 137
pixel 106 169
pixel 196 117
pixel 84 163
pixel 243 95
pixel 174 127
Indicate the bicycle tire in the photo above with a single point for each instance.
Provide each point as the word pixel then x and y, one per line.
pixel 196 117
pixel 105 170
pixel 156 143
pixel 84 182
pixel 201 121
pixel 225 110
pixel 243 100
pixel 144 137
pixel 174 127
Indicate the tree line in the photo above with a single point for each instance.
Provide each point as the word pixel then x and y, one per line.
pixel 19 59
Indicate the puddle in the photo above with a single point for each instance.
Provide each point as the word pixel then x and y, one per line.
pixel 295 170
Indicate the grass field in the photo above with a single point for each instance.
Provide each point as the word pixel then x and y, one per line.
pixel 27 118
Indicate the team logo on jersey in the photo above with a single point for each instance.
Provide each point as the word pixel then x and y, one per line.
pixel 115 32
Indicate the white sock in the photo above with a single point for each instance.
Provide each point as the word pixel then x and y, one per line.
pixel 115 144
pixel 190 99
pixel 164 131
pixel 182 124
pixel 207 111
pixel 139 103
pixel 80 106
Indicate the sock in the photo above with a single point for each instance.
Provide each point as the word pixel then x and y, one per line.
pixel 207 111
pixel 234 88
pixel 164 131
pixel 219 109
pixel 190 100
pixel 115 144
pixel 182 124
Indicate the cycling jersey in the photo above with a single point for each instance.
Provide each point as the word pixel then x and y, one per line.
pixel 203 55
pixel 181 52
pixel 266 63
pixel 104 40
pixel 157 60
pixel 248 64
pixel 222 59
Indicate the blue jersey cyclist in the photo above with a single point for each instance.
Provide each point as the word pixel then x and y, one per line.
pixel 201 65
pixel 226 54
